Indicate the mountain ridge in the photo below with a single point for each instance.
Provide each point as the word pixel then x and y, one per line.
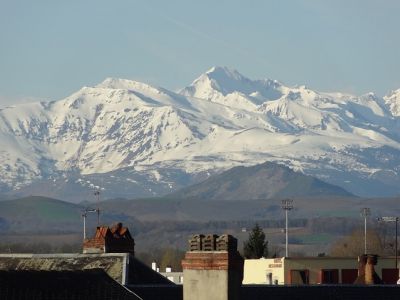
pixel 152 141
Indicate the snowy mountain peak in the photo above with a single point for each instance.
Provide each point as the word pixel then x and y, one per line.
pixel 227 81
pixel 224 75
pixel 229 87
pixel 218 79
pixel 393 102
pixel 163 140
pixel 126 84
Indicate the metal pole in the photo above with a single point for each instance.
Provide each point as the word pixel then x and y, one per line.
pixel 287 205
pixel 365 212
pixel 84 226
pixel 365 234
pixel 287 234
pixel 397 220
pixel 97 194
pixel 84 215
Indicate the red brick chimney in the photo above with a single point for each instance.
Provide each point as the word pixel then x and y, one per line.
pixel 116 239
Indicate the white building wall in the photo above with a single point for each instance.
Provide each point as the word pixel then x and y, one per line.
pixel 264 271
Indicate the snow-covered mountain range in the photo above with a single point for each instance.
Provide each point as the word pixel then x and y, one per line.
pixel 133 139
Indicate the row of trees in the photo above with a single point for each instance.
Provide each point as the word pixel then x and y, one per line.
pixel 353 245
pixel 349 246
pixel 164 257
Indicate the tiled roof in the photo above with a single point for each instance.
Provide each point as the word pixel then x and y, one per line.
pixel 141 274
pixel 116 239
pixel 61 285
pixel 112 264
pixel 101 232
pixel 122 267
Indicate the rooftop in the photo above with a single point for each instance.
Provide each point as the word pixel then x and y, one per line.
pixel 88 284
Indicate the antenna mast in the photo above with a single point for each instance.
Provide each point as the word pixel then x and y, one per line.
pixel 84 215
pixel 97 195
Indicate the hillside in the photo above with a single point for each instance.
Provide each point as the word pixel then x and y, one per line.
pixel 264 181
pixel 39 214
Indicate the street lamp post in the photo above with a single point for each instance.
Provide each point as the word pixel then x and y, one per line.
pixel 287 204
pixel 365 212
pixel 388 220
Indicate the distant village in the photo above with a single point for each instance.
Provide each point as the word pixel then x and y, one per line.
pixel 212 268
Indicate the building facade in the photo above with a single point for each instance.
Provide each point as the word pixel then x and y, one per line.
pixel 313 270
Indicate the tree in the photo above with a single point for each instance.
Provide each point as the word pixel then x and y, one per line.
pixel 172 258
pixel 353 245
pixel 256 246
pixel 164 257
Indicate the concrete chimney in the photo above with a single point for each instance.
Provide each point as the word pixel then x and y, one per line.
pixel 212 268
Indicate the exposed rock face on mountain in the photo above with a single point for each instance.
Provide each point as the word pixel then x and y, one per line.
pixel 264 181
pixel 136 140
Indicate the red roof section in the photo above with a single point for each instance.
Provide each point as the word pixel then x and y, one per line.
pixel 101 232
pixel 114 239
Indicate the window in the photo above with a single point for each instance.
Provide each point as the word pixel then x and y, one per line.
pixel 299 277
pixel 349 276
pixel 330 276
pixel 390 276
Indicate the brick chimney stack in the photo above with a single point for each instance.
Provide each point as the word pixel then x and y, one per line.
pixel 362 261
pixel 370 275
pixel 366 270
pixel 116 239
pixel 212 268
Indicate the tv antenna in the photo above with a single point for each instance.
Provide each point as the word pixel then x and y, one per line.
pixel 84 215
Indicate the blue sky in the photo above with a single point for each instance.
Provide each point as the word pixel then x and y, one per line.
pixel 50 49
